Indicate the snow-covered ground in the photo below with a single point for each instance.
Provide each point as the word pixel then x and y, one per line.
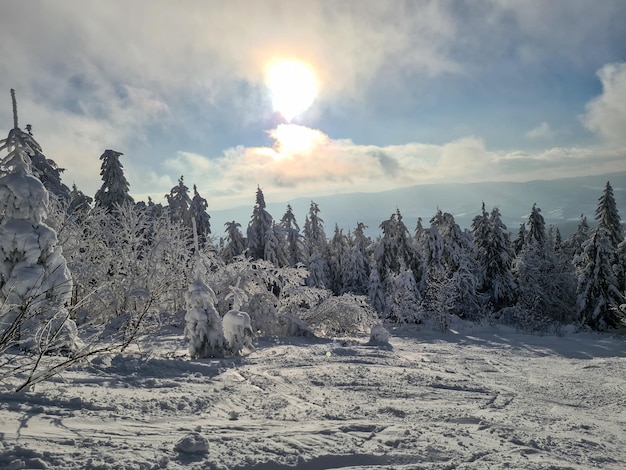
pixel 480 397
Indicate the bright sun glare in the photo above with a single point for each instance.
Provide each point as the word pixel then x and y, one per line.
pixel 293 87
pixel 292 139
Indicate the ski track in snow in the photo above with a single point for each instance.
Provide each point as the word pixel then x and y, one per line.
pixel 483 398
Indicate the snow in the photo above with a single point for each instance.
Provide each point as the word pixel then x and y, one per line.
pixel 476 397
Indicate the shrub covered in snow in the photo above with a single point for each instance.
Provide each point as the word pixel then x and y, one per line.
pixel 237 331
pixel 203 327
pixel 346 314
pixel 379 335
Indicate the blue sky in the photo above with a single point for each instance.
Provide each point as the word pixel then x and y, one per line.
pixel 410 92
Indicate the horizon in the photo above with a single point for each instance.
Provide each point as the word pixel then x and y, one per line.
pixel 321 98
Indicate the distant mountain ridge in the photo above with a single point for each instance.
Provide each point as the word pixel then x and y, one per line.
pixel 562 201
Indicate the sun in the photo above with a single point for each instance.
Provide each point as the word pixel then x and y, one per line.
pixel 293 87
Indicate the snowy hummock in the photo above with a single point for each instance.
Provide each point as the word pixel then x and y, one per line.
pixel 473 398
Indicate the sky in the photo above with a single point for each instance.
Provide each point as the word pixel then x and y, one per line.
pixel 407 92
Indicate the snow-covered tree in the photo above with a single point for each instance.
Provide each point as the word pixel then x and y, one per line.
pixel 404 303
pixel 377 296
pixel 573 245
pixel 235 242
pixel 338 249
pixel 261 223
pixel 546 287
pixel 608 217
pixel 317 248
pixel 519 242
pixel 198 213
pixel 295 242
pixel 599 297
pixel 79 201
pixel 203 325
pixel 494 255
pixel 35 284
pixel 396 249
pixel 178 202
pixel 274 247
pixel 114 189
pixel 536 227
pixel 356 264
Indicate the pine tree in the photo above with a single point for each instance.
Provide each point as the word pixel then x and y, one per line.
pixel 295 246
pixel 494 255
pixel 114 190
pixel 337 252
pixel 178 201
pixel 608 217
pixel 546 289
pixel 573 246
pixel 79 201
pixel 236 243
pixel 35 284
pixel 274 247
pixel 356 266
pixel 599 297
pixel 48 173
pixel 198 213
pixel 519 242
pixel 317 249
pixel 260 224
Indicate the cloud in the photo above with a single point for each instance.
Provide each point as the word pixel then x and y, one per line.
pixel 606 114
pixel 542 131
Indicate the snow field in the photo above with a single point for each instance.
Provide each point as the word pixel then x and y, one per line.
pixel 483 398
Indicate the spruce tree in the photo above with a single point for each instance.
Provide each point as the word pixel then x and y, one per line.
pixel 546 289
pixel 114 190
pixel 317 249
pixel 35 284
pixel 178 201
pixel 198 213
pixel 494 255
pixel 236 243
pixel 295 247
pixel 599 297
pixel 261 223
pixel 608 217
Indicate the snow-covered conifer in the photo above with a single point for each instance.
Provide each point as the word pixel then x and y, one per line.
pixel 404 302
pixel 519 242
pixel 317 248
pixel 494 255
pixel 377 296
pixel 178 202
pixel 114 189
pixel 608 217
pixel 573 245
pixel 236 243
pixel 546 288
pixel 599 297
pixel 197 212
pixel 260 224
pixel 274 247
pixel 35 284
pixel 295 247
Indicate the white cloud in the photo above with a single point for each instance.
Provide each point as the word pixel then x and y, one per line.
pixel 606 114
pixel 336 166
pixel 542 131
